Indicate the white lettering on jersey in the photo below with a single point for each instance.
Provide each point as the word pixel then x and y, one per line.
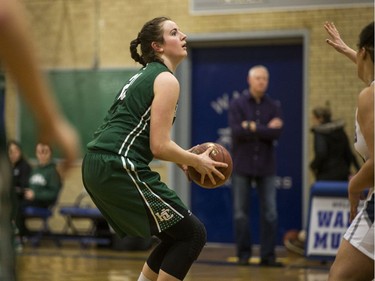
pixel 125 88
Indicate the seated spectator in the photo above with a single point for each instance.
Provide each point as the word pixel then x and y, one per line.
pixel 21 168
pixel 44 185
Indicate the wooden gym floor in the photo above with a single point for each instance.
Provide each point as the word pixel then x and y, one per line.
pixel 216 263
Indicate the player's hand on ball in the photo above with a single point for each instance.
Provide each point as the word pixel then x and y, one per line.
pixel 208 167
pixel 214 168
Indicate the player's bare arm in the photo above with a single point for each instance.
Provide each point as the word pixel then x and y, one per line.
pixel 166 93
pixel 365 176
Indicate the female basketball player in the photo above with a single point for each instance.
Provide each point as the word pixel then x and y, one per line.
pixel 355 257
pixel 116 170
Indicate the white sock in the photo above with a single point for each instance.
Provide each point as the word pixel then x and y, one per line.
pixel 143 278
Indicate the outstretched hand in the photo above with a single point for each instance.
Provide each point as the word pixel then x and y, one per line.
pixel 335 39
pixel 337 43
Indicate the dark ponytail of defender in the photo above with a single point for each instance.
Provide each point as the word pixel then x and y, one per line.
pixel 152 31
pixel 366 39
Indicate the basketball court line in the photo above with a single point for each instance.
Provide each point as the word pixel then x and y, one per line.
pixel 139 256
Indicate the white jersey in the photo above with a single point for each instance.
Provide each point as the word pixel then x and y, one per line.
pixel 361 231
pixel 359 141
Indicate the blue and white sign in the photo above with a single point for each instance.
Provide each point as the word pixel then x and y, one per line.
pixel 329 219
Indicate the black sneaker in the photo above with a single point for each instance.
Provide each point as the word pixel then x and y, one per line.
pixel 243 261
pixel 271 263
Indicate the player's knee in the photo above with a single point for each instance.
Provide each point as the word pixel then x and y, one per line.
pixel 198 241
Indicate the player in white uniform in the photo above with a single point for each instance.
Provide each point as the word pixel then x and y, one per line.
pixel 361 231
pixel 355 257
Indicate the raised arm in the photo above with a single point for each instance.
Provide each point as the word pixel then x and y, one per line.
pixel 337 43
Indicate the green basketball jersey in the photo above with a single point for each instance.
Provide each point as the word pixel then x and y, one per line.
pixel 115 169
pixel 126 127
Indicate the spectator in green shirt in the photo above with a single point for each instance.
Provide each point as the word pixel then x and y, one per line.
pixel 44 185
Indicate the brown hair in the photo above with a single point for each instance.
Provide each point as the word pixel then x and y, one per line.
pixel 366 39
pixel 152 31
pixel 323 113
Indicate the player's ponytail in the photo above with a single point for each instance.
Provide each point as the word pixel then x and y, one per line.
pixel 366 39
pixel 134 51
pixel 152 31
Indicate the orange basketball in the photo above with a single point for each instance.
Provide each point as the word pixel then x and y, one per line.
pixel 220 154
pixel 292 242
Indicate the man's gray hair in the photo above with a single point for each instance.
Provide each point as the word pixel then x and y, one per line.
pixel 251 70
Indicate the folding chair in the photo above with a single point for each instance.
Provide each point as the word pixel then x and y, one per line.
pixel 42 214
pixel 79 211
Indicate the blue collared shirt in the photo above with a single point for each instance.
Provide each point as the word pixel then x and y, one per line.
pixel 253 153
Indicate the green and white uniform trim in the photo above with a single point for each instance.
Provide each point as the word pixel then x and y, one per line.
pixel 162 212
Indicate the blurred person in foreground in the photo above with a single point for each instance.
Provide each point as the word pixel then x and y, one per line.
pixel 18 56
